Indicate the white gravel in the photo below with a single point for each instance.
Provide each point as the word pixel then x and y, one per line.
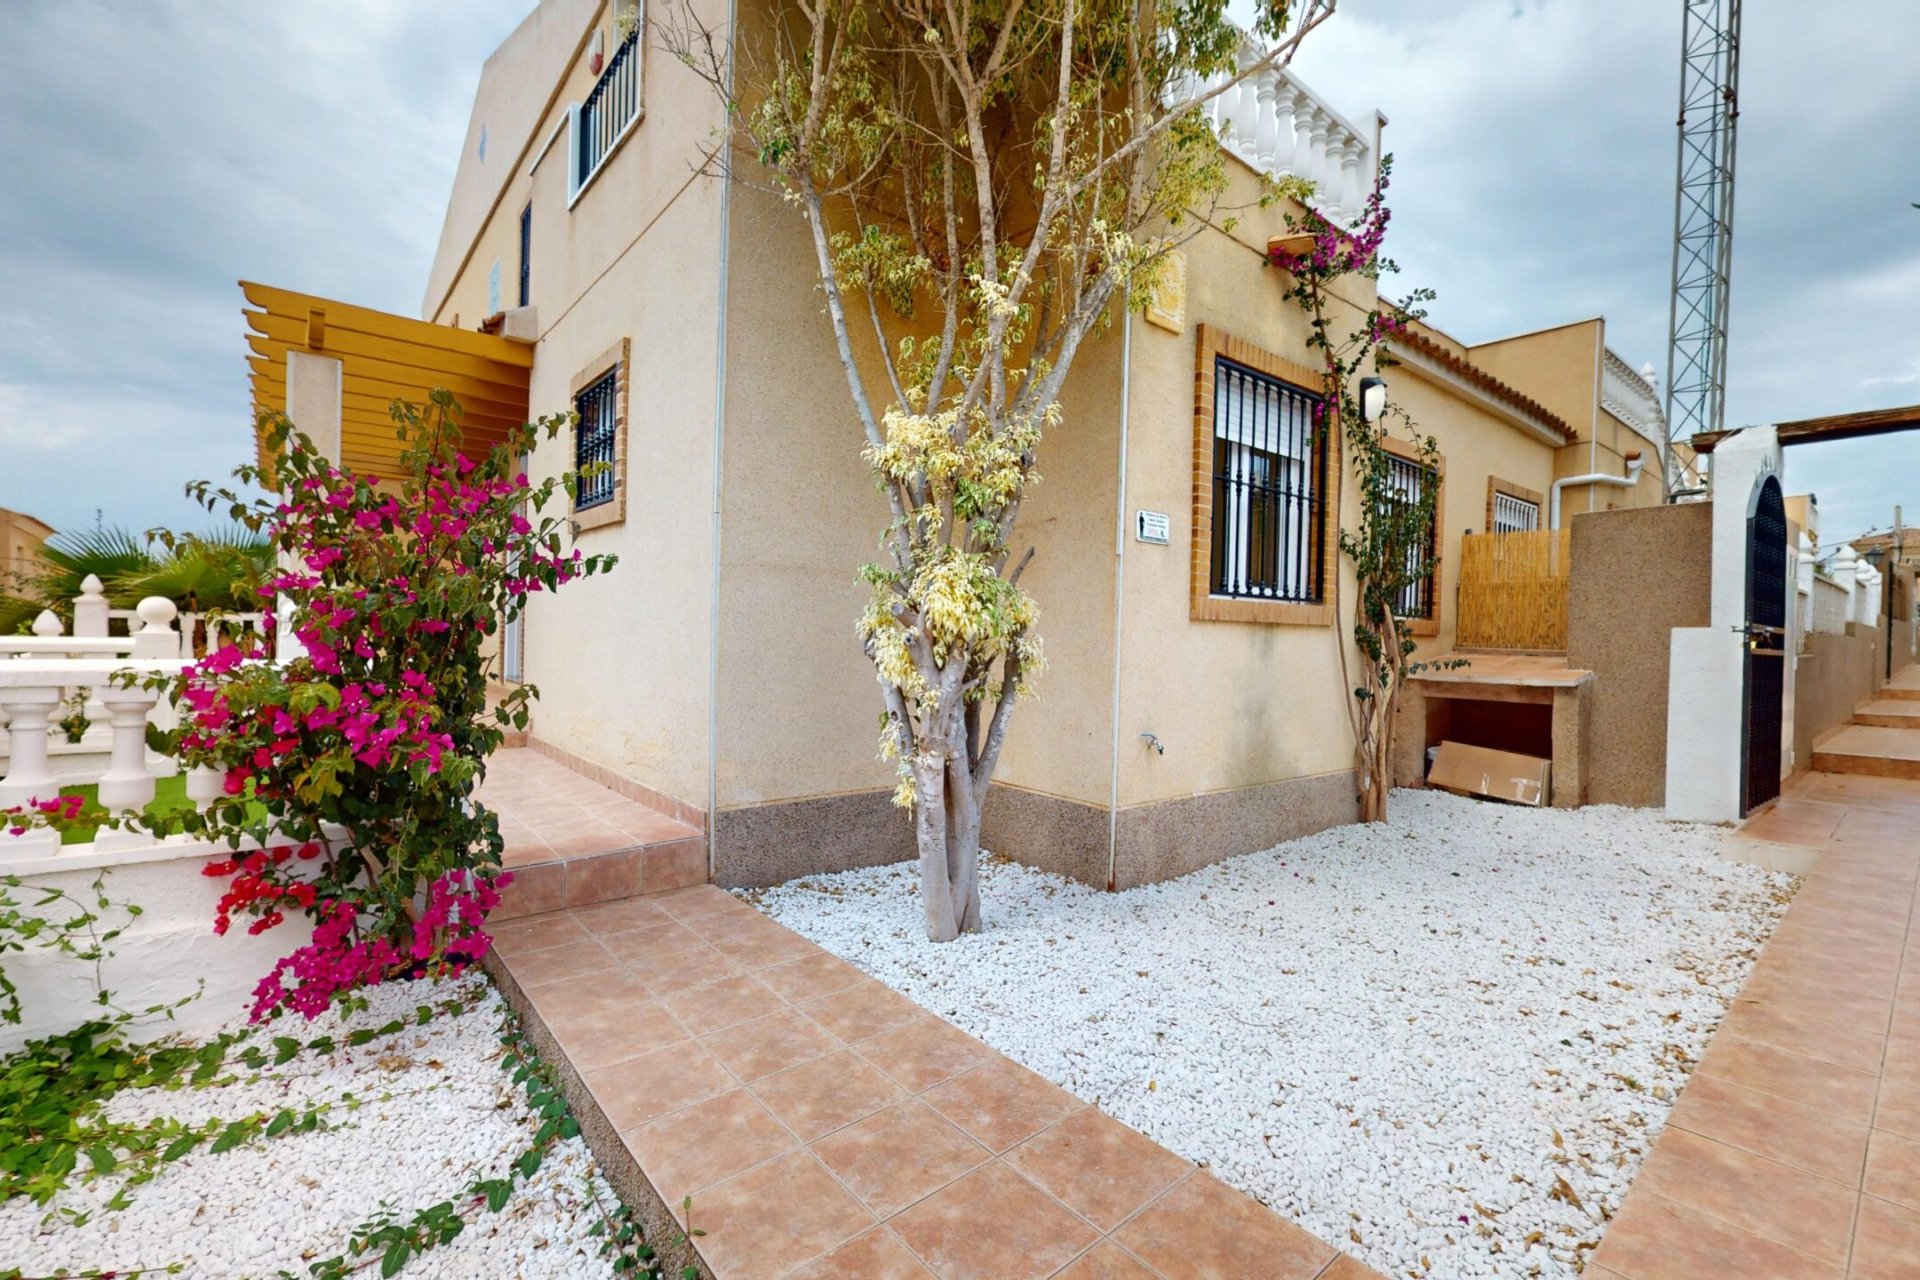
pixel 436 1112
pixel 1443 1043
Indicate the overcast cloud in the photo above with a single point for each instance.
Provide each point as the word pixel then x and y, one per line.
pixel 155 153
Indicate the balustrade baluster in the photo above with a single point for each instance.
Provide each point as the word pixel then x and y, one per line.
pixel 29 708
pixel 1285 96
pixel 1351 198
pixel 1267 135
pixel 127 783
pixel 1323 170
pixel 1303 113
pixel 1246 120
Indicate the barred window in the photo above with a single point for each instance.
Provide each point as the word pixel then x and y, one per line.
pixel 1410 481
pixel 1269 475
pixel 1514 515
pixel 597 437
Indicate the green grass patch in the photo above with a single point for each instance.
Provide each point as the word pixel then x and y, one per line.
pixel 169 796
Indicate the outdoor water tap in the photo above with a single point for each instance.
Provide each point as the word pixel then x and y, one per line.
pixel 1153 741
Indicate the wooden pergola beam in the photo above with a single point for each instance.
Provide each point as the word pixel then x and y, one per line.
pixel 384 358
pixel 1838 426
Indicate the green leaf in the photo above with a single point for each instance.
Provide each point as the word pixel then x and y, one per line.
pixel 232 1136
pixel 394 1259
pixel 179 1147
pixel 102 1158
pixel 280 1123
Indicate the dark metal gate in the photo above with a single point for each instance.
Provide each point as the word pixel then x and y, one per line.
pixel 1766 635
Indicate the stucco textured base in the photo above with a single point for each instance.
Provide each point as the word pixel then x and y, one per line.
pixel 1065 837
pixel 1636 576
pixel 767 844
pixel 760 845
pixel 1172 837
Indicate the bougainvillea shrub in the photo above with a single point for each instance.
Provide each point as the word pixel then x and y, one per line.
pixel 380 727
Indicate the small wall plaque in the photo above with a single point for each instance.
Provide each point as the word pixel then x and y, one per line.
pixel 1168 308
pixel 1151 526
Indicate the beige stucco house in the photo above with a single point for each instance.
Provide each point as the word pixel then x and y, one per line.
pixel 21 537
pixel 1195 706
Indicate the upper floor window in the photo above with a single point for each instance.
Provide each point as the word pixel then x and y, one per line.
pixel 526 254
pixel 599 123
pixel 1269 481
pixel 1410 482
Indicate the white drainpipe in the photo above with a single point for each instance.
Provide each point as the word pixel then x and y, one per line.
pixel 1634 463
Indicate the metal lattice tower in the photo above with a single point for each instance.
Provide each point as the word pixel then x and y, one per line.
pixel 1702 220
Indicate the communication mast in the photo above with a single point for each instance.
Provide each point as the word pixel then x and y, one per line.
pixel 1702 223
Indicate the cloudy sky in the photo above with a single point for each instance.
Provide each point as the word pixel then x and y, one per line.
pixel 155 153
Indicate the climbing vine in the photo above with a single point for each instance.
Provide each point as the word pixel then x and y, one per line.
pixel 1390 544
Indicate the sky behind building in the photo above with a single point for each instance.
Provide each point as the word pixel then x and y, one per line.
pixel 156 154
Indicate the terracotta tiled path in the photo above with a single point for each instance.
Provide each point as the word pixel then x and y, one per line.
pixel 1794 1151
pixel 573 842
pixel 827 1127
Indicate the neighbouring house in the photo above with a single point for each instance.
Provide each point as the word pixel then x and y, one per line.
pixel 21 537
pixel 1187 570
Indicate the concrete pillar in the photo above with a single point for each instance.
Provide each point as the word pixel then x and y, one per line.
pixel 1706 690
pixel 314 384
pixel 90 609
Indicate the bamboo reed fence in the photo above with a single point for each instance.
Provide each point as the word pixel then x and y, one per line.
pixel 1513 590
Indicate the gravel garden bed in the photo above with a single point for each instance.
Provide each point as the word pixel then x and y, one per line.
pixel 404 1121
pixel 1443 1043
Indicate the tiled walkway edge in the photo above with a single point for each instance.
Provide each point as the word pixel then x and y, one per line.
pixel 659 1227
pixel 826 1126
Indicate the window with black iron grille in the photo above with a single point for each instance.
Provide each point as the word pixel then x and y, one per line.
pixel 1409 481
pixel 612 105
pixel 1269 478
pixel 597 437
pixel 526 253
pixel 1514 515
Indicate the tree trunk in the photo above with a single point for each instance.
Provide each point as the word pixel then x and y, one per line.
pixel 947 828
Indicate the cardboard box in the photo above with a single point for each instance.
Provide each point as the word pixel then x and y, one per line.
pixel 1496 775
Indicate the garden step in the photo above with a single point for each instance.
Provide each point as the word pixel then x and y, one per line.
pixel 1889 713
pixel 1905 684
pixel 1869 749
pixel 573 842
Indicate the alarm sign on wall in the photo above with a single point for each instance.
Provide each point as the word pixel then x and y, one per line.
pixel 1151 526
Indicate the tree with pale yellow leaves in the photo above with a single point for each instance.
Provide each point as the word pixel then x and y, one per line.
pixel 983 182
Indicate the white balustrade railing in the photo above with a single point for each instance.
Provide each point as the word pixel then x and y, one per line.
pixel 1633 397
pixel 1830 606
pixel 126 774
pixel 1276 124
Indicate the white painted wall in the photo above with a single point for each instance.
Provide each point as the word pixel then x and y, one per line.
pixel 167 953
pixel 1707 687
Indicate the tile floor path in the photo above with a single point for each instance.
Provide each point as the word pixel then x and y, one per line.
pixel 1794 1151
pixel 828 1127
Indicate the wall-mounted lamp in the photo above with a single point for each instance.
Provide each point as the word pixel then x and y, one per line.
pixel 1373 399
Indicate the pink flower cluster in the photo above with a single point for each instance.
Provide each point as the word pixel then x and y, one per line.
pixel 1337 251
pixel 60 809
pixel 340 959
pixel 336 960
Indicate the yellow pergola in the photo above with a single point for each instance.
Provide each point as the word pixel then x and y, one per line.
pixel 384 357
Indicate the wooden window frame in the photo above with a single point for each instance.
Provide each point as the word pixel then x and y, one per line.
pixel 614 359
pixel 1203 606
pixel 1518 492
pixel 1427 628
